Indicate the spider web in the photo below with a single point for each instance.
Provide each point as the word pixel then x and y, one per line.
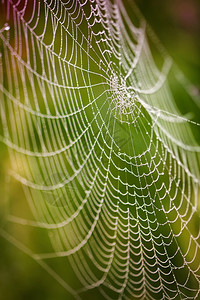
pixel 98 137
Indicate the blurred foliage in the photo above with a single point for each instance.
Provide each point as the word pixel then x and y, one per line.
pixel 177 24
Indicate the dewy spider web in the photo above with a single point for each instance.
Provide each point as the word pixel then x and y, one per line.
pixel 108 162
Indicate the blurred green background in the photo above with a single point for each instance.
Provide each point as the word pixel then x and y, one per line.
pixel 177 24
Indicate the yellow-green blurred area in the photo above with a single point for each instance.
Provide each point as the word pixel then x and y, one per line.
pixel 177 25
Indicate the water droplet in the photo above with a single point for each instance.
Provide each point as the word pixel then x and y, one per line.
pixel 6 27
